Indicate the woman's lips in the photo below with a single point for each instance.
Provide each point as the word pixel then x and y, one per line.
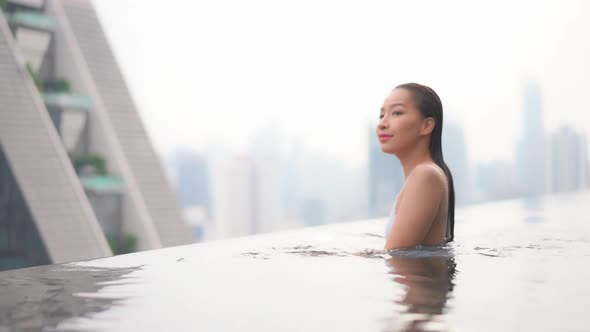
pixel 383 138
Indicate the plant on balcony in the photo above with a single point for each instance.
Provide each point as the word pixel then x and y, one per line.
pixel 96 161
pixel 127 245
pixel 57 85
pixel 34 76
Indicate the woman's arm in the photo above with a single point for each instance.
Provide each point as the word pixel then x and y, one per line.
pixel 417 209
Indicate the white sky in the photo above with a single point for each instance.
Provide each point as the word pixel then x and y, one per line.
pixel 205 72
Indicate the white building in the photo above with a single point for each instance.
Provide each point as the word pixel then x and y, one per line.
pixel 246 197
pixel 568 161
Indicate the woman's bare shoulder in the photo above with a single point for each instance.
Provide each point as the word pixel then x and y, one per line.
pixel 428 173
pixel 423 194
pixel 426 178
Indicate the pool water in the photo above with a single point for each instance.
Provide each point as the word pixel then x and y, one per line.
pixel 519 265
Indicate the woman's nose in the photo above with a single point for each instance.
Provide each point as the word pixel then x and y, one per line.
pixel 382 124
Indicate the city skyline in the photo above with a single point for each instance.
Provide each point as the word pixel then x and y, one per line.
pixel 546 163
pixel 222 80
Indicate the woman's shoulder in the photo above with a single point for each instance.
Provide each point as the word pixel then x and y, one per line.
pixel 428 174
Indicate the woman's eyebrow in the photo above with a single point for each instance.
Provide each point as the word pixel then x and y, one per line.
pixel 393 105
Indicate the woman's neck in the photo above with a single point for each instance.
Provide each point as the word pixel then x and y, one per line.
pixel 413 158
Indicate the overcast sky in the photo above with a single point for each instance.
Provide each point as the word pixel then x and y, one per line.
pixel 205 72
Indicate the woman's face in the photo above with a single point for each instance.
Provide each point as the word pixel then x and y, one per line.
pixel 401 124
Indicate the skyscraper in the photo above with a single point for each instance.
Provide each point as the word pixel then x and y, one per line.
pixel 530 150
pixel 117 131
pixel 44 214
pixel 495 180
pixel 455 155
pixel 568 161
pixel 192 179
pixel 246 196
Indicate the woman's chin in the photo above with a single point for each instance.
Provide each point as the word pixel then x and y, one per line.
pixel 388 149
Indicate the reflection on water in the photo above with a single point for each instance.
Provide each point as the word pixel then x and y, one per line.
pixel 427 276
pixel 42 297
pixel 331 278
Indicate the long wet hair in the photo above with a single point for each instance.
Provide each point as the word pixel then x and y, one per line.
pixel 429 105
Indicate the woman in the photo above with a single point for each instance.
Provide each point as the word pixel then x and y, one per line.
pixel 410 128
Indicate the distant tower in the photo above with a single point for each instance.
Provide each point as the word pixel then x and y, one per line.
pixel 268 179
pixel 455 155
pixel 568 161
pixel 192 179
pixel 495 180
pixel 313 212
pixel 385 177
pixel 291 181
pixel 530 151
pixel 246 197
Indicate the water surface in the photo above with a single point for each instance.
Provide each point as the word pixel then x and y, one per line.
pixel 519 265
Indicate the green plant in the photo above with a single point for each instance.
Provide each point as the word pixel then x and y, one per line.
pixel 4 4
pixel 113 243
pixel 97 161
pixel 127 245
pixel 34 76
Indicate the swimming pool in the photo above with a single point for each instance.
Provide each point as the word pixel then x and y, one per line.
pixel 519 265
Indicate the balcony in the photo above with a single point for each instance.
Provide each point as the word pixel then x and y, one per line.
pixel 69 113
pixel 32 20
pixel 104 193
pixel 66 100
pixel 102 183
pixel 33 33
pixel 35 4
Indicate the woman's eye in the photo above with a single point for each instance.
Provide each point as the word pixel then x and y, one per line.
pixel 381 116
pixel 397 113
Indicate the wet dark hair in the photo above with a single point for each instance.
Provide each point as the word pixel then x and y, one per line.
pixel 429 105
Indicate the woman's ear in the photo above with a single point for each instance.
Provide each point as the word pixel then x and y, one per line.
pixel 428 126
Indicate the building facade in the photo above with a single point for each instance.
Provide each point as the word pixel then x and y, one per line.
pixel 80 168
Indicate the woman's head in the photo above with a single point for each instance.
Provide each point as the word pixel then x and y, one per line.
pixel 404 125
pixel 430 107
pixel 413 117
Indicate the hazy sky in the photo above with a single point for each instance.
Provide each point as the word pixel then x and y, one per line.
pixel 205 72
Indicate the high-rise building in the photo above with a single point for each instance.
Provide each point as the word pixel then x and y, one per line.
pixel 455 155
pixel 313 212
pixel 531 149
pixel 44 214
pixel 568 161
pixel 76 156
pixel 118 132
pixel 495 180
pixel 246 197
pixel 386 177
pixel 291 182
pixel 339 189
pixel 192 179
